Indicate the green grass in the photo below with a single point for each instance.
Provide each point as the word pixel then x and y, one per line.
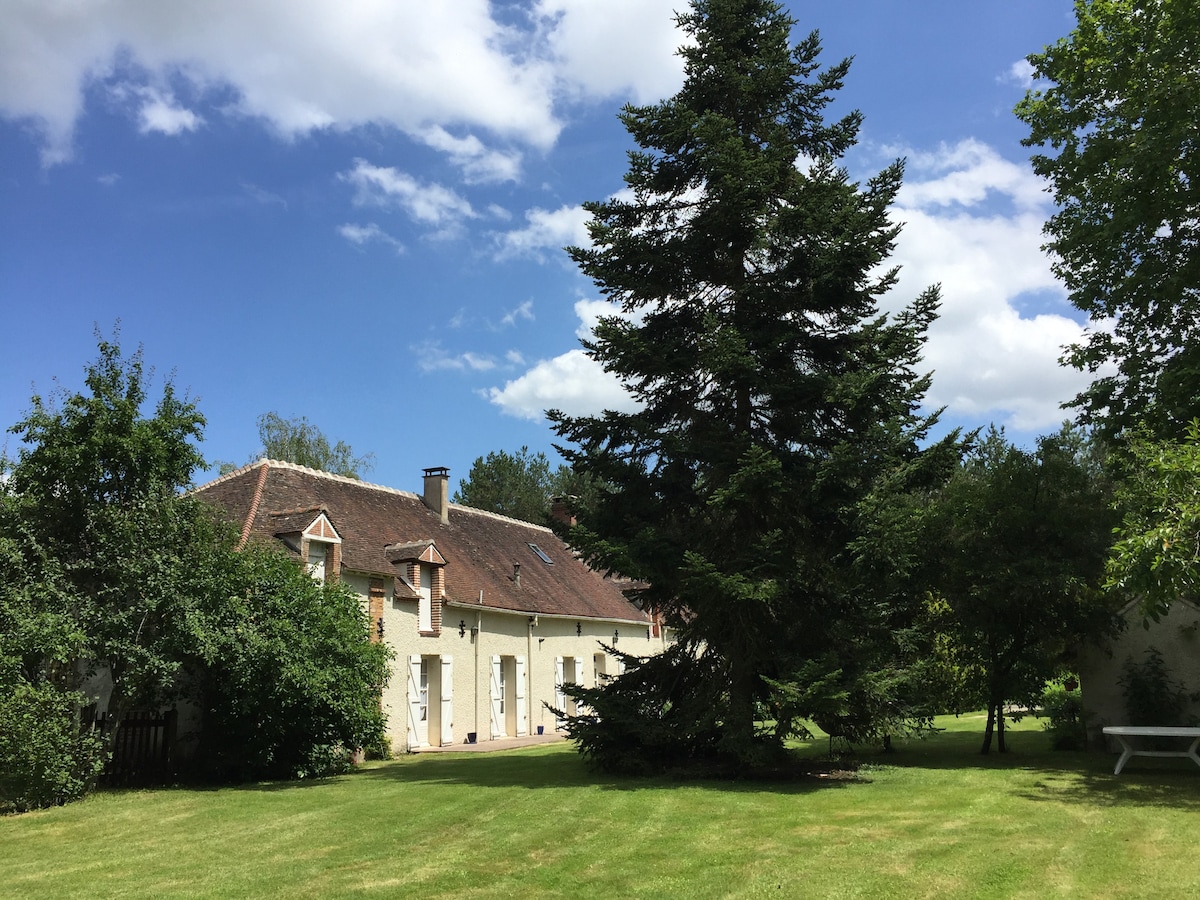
pixel 932 820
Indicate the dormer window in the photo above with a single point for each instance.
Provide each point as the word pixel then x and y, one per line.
pixel 421 577
pixel 318 555
pixel 311 535
pixel 425 607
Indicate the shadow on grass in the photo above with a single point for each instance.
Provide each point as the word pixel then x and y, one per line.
pixel 1174 789
pixel 1059 776
pixel 562 767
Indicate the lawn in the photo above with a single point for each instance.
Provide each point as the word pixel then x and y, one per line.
pixel 932 820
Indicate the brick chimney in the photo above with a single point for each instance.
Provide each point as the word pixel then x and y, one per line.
pixel 437 492
pixel 560 510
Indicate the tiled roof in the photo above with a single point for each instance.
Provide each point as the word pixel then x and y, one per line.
pixel 479 547
pixel 291 522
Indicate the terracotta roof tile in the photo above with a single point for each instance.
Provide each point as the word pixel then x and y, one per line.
pixel 479 547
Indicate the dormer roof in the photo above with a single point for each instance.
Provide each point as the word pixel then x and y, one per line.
pixel 415 551
pixel 312 523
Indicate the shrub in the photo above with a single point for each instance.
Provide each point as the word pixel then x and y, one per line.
pixel 46 758
pixel 288 682
pixel 1152 697
pixel 1065 723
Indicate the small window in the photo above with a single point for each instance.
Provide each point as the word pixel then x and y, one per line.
pixel 541 554
pixel 317 554
pixel 425 606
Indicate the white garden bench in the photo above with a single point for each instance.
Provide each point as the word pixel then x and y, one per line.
pixel 1123 732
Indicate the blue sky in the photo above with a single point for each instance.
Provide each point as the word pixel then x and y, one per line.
pixel 354 211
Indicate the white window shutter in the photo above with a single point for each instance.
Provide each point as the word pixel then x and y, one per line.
pixel 522 716
pixel 497 715
pixel 447 736
pixel 560 698
pixel 414 701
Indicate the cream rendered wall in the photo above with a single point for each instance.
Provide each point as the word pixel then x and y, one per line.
pixel 488 633
pixel 1177 637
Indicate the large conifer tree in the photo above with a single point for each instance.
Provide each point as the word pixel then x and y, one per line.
pixel 775 397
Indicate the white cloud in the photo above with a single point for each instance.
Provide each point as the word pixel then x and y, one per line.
pixel 572 382
pixel 428 204
pixel 965 175
pixel 544 230
pixel 616 47
pixel 974 226
pixel 263 196
pixel 524 311
pixel 365 234
pixel 160 112
pixel 590 312
pixel 1019 73
pixel 479 164
pixel 300 65
pixel 432 357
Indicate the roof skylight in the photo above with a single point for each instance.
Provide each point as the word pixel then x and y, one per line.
pixel 541 554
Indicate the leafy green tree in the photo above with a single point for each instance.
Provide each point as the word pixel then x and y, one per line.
pixel 108 567
pixel 1018 540
pixel 46 758
pixel 282 670
pixel 1117 121
pixel 512 484
pixel 298 441
pixel 95 492
pixel 1157 553
pixel 775 397
pixel 521 485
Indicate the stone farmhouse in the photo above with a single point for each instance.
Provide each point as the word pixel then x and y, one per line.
pixel 488 617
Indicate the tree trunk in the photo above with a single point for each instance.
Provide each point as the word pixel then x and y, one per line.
pixel 987 732
pixel 1000 745
pixel 739 725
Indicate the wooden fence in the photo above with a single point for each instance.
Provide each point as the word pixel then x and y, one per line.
pixel 142 751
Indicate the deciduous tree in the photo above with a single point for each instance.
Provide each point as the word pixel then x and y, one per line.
pixel 298 441
pixel 1018 542
pixel 95 496
pixel 108 566
pixel 1157 553
pixel 1114 109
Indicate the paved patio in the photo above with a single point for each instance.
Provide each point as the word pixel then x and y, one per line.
pixel 498 744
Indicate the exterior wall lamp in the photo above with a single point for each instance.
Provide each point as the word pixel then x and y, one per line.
pixel 616 636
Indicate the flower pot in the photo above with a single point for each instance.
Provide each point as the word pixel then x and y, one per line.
pixel 541 729
pixel 471 737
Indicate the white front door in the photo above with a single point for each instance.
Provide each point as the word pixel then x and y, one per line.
pixel 418 702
